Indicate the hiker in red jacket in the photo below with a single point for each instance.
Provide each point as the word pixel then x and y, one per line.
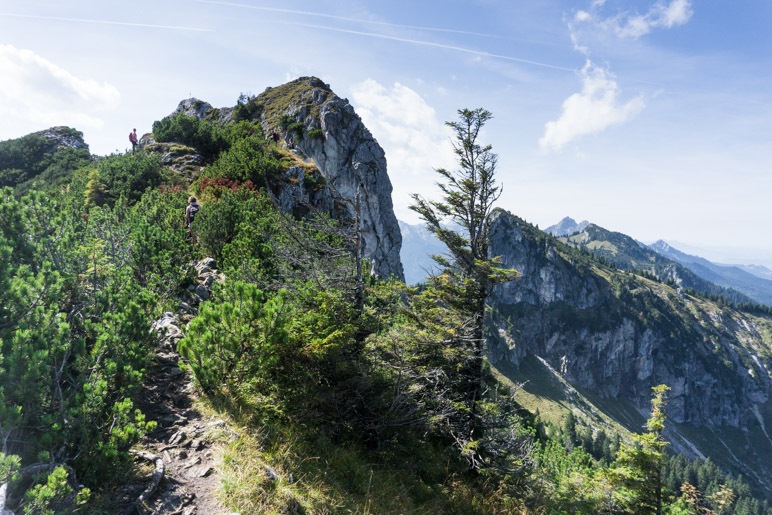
pixel 133 139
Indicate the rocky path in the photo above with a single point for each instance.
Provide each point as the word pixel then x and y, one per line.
pixel 184 440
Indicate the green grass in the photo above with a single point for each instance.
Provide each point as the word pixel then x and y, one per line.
pixel 274 468
pixel 603 246
pixel 541 390
pixel 276 101
pixel 319 476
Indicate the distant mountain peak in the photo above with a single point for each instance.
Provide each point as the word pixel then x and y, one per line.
pixel 665 249
pixel 566 227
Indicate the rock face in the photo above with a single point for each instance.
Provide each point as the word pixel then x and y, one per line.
pixel 200 109
pixel 63 137
pixel 326 132
pixel 325 128
pixel 566 226
pixel 616 335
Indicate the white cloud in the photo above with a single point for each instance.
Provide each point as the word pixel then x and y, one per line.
pixel 36 93
pixel 414 139
pixel 661 15
pixel 582 16
pixel 677 13
pixel 593 110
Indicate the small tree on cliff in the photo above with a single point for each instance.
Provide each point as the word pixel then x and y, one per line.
pixel 467 274
pixel 638 467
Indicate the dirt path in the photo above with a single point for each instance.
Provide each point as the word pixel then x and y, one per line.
pixel 184 438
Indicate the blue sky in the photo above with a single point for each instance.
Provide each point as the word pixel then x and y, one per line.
pixel 653 118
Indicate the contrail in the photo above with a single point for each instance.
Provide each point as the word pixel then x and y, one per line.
pixel 105 22
pixel 355 20
pixel 440 45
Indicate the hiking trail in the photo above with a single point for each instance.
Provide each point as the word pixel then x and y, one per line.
pixel 182 453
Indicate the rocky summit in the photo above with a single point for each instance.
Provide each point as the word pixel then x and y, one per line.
pixel 326 133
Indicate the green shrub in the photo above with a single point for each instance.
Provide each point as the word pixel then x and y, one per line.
pixel 297 128
pixel 34 161
pixel 246 108
pixel 23 158
pixel 247 160
pixel 123 176
pixel 159 247
pixel 285 121
pixel 205 136
pixel 222 219
pixel 234 339
pixel 55 495
pixel 244 129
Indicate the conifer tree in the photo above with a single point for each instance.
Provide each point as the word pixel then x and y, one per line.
pixel 639 467
pixel 461 220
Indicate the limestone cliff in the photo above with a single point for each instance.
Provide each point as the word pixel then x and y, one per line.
pixel 325 133
pixel 615 335
pixel 325 128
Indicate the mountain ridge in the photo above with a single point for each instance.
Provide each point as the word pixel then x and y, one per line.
pixel 585 313
pixel 325 132
pixel 732 283
pixel 755 286
pixel 616 334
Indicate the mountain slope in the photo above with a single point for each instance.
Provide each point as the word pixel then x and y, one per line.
pixel 757 270
pixel 613 336
pixel 626 253
pixel 42 159
pixel 757 287
pixel 322 133
pixel 418 245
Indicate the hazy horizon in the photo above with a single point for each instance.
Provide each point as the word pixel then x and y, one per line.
pixel 721 256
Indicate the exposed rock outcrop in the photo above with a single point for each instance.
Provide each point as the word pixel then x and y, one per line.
pixel 200 109
pixel 181 159
pixel 347 155
pixel 63 137
pixel 616 335
pixel 326 133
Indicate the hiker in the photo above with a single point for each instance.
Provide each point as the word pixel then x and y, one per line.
pixel 191 210
pixel 134 140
